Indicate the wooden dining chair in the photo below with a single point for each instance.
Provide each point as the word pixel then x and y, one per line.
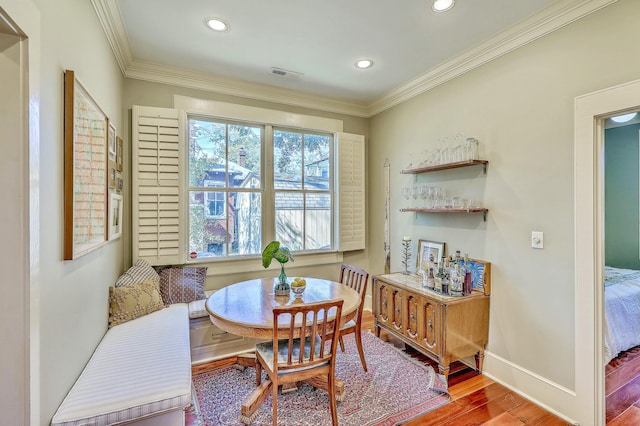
pixel 357 279
pixel 303 354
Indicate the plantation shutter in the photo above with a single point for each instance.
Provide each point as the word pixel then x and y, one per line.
pixel 157 214
pixel 350 200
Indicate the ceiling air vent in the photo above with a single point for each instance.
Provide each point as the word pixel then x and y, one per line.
pixel 286 73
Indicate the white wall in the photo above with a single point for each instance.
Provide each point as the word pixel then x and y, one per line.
pixel 73 294
pixel 520 107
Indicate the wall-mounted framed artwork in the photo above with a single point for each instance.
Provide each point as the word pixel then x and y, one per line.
pixel 85 168
pixel 429 256
pixel 115 215
pixel 119 153
pixel 111 141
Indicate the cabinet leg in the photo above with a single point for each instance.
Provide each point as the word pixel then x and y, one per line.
pixel 444 370
pixel 479 361
pixel 377 330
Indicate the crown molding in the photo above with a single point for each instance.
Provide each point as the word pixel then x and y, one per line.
pixel 204 81
pixel 110 18
pixel 546 21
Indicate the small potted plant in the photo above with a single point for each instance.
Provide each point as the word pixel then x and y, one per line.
pixel 282 255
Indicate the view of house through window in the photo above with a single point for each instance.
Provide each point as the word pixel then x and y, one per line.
pixel 227 188
pixel 303 189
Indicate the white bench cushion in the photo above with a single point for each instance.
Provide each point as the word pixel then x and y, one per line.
pixel 197 309
pixel 141 367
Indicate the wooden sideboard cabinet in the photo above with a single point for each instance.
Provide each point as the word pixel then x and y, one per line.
pixel 444 328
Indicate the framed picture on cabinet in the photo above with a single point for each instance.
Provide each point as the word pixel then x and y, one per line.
pixel 429 256
pixel 480 275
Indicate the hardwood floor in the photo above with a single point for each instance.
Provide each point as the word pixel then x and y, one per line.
pixel 475 399
pixel 622 389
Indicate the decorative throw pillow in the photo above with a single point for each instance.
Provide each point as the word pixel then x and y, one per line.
pixel 138 273
pixel 133 301
pixel 182 285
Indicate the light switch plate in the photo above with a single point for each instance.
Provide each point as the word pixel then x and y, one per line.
pixel 537 239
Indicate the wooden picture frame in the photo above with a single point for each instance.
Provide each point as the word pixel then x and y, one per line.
pixel 111 141
pixel 85 164
pixel 429 256
pixel 480 275
pixel 115 215
pixel 112 172
pixel 119 153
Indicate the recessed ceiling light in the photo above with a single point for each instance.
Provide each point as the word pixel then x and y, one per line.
pixel 624 118
pixel 217 24
pixel 364 64
pixel 442 5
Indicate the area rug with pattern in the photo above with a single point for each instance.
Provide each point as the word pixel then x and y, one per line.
pixel 395 390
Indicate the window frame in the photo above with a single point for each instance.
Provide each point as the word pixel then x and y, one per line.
pixel 306 191
pixel 268 119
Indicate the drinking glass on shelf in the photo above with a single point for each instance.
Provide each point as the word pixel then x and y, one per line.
pixel 472 149
pixel 458 148
pixel 457 203
pixel 414 194
pixel 472 204
pixel 423 191
pixel 406 194
pixel 438 195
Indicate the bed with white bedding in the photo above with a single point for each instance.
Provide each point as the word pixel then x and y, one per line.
pixel 622 311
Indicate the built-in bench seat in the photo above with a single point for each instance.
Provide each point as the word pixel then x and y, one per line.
pixel 140 374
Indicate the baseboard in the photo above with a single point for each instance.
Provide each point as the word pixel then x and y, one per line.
pixel 549 395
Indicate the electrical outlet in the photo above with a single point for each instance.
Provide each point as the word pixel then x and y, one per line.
pixel 537 239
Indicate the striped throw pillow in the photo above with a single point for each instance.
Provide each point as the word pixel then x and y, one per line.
pixel 138 273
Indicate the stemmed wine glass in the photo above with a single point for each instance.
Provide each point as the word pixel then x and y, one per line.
pixel 406 193
pixel 414 194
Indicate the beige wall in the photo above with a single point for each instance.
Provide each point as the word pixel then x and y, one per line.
pixel 73 294
pixel 520 107
pixel 145 93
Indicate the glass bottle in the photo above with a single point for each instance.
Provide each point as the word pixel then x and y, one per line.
pixel 457 276
pixel 437 281
pixel 467 287
pixel 445 279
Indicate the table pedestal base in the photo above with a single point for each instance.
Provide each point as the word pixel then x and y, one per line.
pixel 260 393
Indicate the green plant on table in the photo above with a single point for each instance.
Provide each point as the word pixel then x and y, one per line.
pixel 282 255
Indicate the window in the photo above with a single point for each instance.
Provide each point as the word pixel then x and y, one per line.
pixel 225 188
pixel 220 188
pixel 303 189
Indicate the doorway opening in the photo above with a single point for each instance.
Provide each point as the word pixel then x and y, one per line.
pixel 621 266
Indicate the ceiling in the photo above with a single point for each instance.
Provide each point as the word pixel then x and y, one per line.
pixel 413 47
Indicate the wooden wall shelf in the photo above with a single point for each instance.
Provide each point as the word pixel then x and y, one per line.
pixel 447 166
pixel 467 211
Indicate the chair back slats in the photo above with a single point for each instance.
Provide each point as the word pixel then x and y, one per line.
pixel 357 279
pixel 310 326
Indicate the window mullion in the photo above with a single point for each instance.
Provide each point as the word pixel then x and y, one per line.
pixel 269 198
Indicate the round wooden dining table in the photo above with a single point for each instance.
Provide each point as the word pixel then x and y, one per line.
pixel 246 309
